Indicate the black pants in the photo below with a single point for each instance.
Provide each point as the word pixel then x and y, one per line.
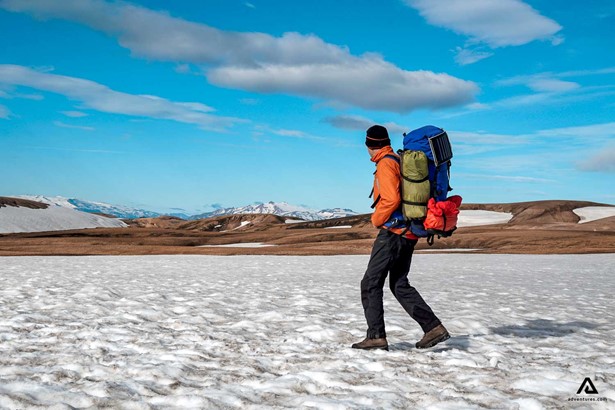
pixel 392 254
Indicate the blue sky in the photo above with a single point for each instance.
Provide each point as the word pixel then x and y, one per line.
pixel 199 104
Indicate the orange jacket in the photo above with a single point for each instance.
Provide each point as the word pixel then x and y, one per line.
pixel 387 182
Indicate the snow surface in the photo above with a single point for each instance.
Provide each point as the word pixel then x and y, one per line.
pixel 55 218
pixel 477 218
pixel 448 250
pixel 260 332
pixel 293 221
pixel 593 213
pixel 238 245
pixel 339 227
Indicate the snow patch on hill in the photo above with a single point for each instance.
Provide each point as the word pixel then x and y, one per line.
pixel 593 213
pixel 469 218
pixel 54 218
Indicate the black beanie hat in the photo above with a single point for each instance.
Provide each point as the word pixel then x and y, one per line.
pixel 377 137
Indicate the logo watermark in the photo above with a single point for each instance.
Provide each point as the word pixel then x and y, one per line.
pixel 587 392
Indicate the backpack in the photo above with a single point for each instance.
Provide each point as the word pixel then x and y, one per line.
pixel 425 170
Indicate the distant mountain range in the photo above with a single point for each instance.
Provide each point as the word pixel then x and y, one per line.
pixel 124 212
pixel 280 209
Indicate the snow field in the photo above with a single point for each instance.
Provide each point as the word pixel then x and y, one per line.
pixel 593 213
pixel 253 332
pixel 54 218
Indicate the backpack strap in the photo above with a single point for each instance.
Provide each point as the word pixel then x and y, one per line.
pixel 396 159
pixel 416 181
pixel 393 157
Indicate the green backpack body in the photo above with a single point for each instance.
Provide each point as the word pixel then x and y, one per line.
pixel 416 187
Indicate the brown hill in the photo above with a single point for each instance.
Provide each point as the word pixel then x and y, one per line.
pixel 537 212
pixel 356 221
pixel 165 222
pixel 242 222
pixel 6 201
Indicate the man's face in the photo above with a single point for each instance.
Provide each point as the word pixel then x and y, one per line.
pixel 372 151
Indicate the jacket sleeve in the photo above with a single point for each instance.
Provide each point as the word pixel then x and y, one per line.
pixel 387 179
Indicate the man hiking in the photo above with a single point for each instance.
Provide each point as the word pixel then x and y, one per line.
pixel 391 254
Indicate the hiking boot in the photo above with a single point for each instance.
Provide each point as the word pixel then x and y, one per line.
pixel 369 344
pixel 433 337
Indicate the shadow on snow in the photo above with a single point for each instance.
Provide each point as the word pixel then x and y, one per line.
pixel 543 328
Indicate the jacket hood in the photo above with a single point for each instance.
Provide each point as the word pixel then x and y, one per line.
pixel 382 152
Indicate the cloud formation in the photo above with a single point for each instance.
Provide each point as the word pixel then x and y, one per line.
pixel 542 82
pixel 74 114
pixel 294 63
pixel 4 112
pixel 493 23
pixel 496 23
pixel 603 161
pixel 466 56
pixel 75 127
pixel 355 122
pixel 102 98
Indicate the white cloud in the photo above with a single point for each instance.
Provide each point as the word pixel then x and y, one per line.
pixel 75 127
pixel 355 122
pixel 465 56
pixel 487 138
pixel 4 112
pixel 542 82
pixel 495 23
pixel 603 161
pixel 183 68
pixel 552 85
pixel 25 96
pixel 597 133
pixel 35 97
pixel 551 88
pixel 509 178
pixel 250 5
pixel 296 134
pixel 369 83
pixel 93 151
pixel 74 114
pixel 605 131
pixel 296 64
pixel 492 23
pixel 104 99
pixel 249 101
pixel 290 133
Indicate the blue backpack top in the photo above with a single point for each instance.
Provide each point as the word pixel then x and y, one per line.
pixel 434 142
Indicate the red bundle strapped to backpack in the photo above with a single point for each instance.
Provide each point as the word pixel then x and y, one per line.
pixel 441 216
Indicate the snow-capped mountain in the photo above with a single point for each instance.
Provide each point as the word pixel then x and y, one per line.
pixel 18 215
pixel 280 209
pixel 118 211
pixel 125 212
